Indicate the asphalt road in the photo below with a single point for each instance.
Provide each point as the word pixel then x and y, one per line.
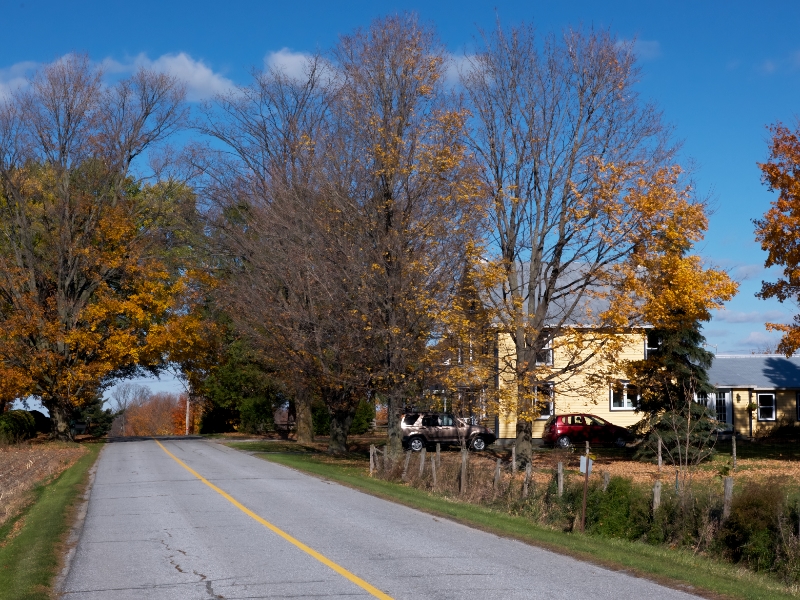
pixel 155 530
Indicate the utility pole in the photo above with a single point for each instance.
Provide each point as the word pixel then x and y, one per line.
pixel 187 414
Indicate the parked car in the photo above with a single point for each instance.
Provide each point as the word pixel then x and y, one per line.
pixel 563 431
pixel 425 429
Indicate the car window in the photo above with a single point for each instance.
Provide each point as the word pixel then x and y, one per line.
pixel 577 420
pixel 446 420
pixel 410 419
pixel 596 421
pixel 430 421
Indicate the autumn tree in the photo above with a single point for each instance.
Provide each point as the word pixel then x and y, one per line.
pixel 84 293
pixel 414 190
pixel 575 163
pixel 675 293
pixel 779 230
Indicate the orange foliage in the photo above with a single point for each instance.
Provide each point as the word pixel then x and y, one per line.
pixel 159 414
pixel 779 230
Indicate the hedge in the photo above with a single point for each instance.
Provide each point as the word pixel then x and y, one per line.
pixel 17 425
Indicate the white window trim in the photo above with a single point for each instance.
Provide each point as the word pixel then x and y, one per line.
pixel 629 405
pixel 774 406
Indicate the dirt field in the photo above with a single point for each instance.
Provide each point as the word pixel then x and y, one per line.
pixel 24 466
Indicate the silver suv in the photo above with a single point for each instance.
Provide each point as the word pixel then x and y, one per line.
pixel 421 430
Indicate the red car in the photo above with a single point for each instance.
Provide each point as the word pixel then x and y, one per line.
pixel 562 431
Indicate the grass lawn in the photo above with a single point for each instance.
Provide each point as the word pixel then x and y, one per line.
pixel 676 568
pixel 31 545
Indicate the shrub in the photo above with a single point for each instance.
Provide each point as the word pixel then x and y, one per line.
pixel 320 418
pixel 751 533
pixel 257 415
pixel 362 421
pixel 622 511
pixel 17 425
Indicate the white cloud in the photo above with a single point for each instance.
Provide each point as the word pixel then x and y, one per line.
pixel 15 77
pixel 289 62
pixel 760 339
pixel 734 316
pixel 201 81
pixel 643 49
pixel 647 49
pixel 454 66
pixel 743 272
pixel 768 67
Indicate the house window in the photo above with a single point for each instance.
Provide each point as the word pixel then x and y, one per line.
pixel 623 396
pixel 766 407
pixel 544 399
pixel 545 355
pixel 652 344
pixel 721 406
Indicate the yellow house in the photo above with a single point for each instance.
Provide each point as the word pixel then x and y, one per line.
pixel 594 387
pixel 755 392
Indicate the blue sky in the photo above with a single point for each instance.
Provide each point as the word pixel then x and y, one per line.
pixel 720 71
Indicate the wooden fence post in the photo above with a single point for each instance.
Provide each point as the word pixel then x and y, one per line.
pixel 527 480
pixel 422 462
pixel 513 459
pixel 560 479
pixel 405 465
pixel 464 455
pixel 371 459
pixel 656 496
pixel 606 480
pixel 433 470
pixel 728 497
pixel 497 475
pixel 733 449
pixel 438 454
pixel 659 454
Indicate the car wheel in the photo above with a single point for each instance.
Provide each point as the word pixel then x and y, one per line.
pixel 620 442
pixel 478 444
pixel 564 442
pixel 416 444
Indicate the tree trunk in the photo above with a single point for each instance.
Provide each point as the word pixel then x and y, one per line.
pixel 394 446
pixel 60 418
pixel 303 423
pixel 341 419
pixel 524 445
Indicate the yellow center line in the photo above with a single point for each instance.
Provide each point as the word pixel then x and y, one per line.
pixel 310 551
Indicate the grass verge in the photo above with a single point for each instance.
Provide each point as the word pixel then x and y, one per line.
pixel 29 560
pixel 676 568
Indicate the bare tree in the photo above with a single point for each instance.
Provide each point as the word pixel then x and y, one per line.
pixel 565 146
pixel 293 279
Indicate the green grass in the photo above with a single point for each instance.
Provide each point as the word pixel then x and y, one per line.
pixel 30 560
pixel 677 568
pixel 269 447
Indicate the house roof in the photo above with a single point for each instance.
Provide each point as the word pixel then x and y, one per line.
pixel 758 371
